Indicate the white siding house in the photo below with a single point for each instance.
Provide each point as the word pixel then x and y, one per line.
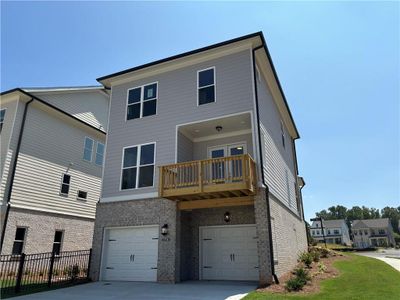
pixel 43 140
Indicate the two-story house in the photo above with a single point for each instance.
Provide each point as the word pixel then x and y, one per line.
pixel 200 178
pixel 334 232
pixel 372 233
pixel 52 150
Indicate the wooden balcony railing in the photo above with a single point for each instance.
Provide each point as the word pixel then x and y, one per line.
pixel 232 176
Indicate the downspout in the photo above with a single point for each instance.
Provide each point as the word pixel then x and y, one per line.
pixel 13 169
pixel 271 245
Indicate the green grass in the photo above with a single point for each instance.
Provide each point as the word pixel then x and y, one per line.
pixel 360 278
pixel 333 246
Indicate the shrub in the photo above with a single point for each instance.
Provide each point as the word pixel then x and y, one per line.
pixel 294 284
pixel 302 274
pixel 73 272
pixel 315 255
pixel 306 258
pixel 321 267
pixel 324 252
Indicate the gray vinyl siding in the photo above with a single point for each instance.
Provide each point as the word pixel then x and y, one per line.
pixel 51 146
pixel 89 106
pixel 177 104
pixel 185 148
pixel 279 167
pixel 201 148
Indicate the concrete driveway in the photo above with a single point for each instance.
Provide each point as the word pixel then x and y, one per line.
pixel 389 256
pixel 189 290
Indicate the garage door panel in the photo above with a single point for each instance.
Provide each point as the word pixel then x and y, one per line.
pixel 229 253
pixel 131 254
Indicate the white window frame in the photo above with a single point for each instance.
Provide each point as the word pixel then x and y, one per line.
pixel 141 101
pixel 214 84
pixel 80 198
pixel 23 241
pixel 62 182
pixel 2 121
pixel 139 152
pixel 95 155
pixel 84 148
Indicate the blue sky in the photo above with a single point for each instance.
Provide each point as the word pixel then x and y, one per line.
pixel 338 63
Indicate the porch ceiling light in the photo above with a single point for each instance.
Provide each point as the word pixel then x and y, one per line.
pixel 227 217
pixel 218 128
pixel 164 229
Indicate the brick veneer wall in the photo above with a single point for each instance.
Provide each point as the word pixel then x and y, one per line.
pixel 41 226
pixel 135 213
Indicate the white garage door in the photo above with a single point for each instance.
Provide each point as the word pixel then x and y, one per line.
pixel 131 254
pixel 229 253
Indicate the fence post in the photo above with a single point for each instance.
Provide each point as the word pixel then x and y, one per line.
pixel 20 273
pixel 51 268
pixel 89 263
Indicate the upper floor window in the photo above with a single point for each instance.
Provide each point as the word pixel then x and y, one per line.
pixel 18 245
pixel 329 232
pixel 99 154
pixel 2 115
pixel 336 231
pixel 355 232
pixel 65 182
pixel 57 242
pixel 88 149
pixel 313 232
pixel 366 232
pixel 206 86
pixel 283 135
pixel 138 166
pixel 142 101
pixel 381 231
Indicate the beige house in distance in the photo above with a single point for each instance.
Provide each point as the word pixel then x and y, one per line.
pixel 372 233
pixel 52 150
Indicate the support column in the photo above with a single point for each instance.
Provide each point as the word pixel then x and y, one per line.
pixel 263 243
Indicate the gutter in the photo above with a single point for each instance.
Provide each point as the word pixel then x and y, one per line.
pixel 13 169
pixel 271 244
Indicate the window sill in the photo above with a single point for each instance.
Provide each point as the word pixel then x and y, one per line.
pixel 63 195
pixel 138 119
pixel 81 199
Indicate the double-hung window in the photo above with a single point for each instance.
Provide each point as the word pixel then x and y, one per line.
pixel 2 115
pixel 57 242
pixel 381 231
pixel 206 86
pixel 99 154
pixel 138 166
pixel 142 101
pixel 19 241
pixel 82 195
pixel 283 135
pixel 65 182
pixel 88 149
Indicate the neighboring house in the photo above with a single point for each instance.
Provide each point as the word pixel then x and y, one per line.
pixel 52 149
pixel 372 233
pixel 335 231
pixel 200 179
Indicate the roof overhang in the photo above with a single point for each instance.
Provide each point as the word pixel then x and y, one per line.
pixel 251 41
pixel 22 95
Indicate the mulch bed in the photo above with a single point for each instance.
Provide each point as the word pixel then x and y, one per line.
pixel 312 286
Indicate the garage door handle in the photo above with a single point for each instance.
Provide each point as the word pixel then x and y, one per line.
pixel 207 267
pixel 111 240
pixel 110 268
pixel 153 268
pixel 256 267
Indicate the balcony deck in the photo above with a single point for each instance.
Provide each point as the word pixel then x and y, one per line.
pixel 226 181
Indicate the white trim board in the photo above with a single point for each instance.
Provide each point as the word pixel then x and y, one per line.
pixel 129 197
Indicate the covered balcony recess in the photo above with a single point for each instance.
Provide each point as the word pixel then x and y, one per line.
pixel 214 165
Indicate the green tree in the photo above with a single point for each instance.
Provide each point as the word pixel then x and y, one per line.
pixel 393 214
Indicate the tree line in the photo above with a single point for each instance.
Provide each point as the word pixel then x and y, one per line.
pixel 362 213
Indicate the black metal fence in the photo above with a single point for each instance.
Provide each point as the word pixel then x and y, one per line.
pixel 28 273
